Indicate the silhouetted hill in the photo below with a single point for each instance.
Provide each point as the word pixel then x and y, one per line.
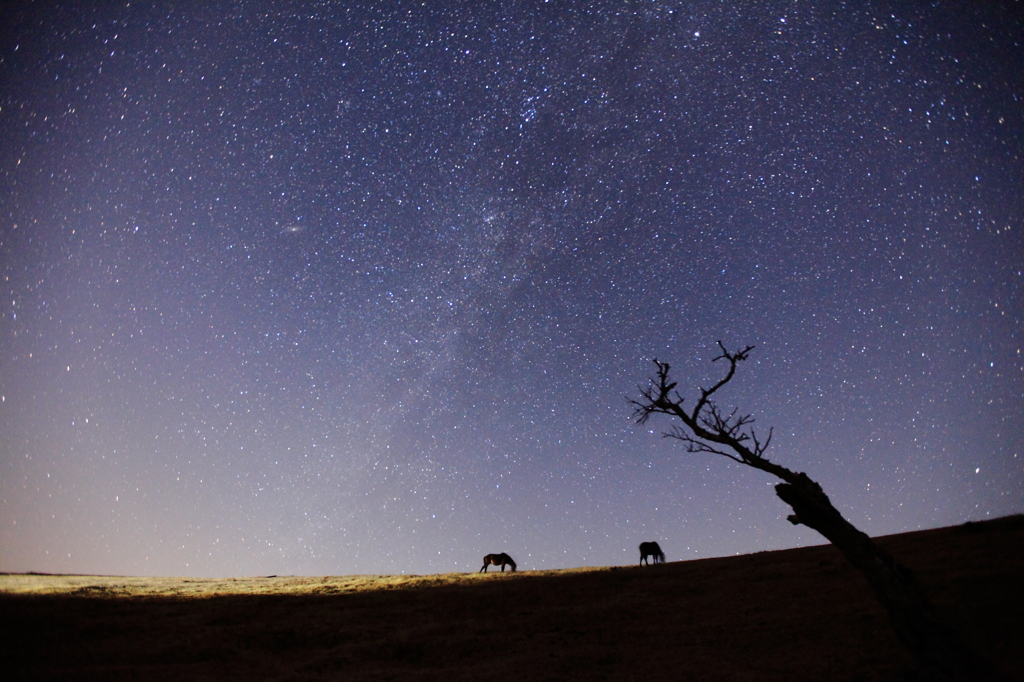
pixel 799 614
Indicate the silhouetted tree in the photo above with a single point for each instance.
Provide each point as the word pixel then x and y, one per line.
pixel 707 428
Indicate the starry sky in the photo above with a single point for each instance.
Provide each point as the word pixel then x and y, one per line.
pixel 339 288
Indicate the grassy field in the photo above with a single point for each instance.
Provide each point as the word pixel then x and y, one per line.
pixel 798 614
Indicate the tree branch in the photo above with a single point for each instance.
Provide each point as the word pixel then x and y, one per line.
pixel 708 428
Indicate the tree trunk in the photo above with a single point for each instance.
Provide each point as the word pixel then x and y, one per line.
pixel 937 647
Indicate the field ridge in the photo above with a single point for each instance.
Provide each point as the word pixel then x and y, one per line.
pixel 793 614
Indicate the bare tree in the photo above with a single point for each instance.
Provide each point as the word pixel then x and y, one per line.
pixel 707 428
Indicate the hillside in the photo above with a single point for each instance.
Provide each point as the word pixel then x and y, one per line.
pixel 797 614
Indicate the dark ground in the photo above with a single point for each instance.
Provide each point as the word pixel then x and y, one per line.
pixel 798 614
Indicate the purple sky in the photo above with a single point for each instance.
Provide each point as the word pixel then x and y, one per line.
pixel 334 288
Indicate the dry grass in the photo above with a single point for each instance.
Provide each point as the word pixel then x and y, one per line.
pixel 791 615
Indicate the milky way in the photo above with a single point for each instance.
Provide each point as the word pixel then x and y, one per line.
pixel 363 287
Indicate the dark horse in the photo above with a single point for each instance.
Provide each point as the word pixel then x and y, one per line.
pixel 498 560
pixel 651 549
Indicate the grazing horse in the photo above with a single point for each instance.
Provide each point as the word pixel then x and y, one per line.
pixel 498 560
pixel 653 550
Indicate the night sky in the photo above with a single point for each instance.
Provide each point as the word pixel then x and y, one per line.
pixel 338 288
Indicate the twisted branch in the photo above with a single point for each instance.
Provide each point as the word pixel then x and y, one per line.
pixel 707 427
